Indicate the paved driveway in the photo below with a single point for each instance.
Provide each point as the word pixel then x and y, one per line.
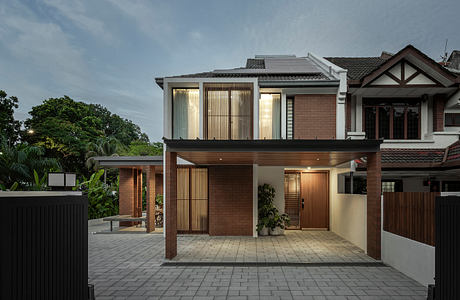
pixel 128 266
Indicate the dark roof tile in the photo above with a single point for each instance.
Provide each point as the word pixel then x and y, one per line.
pixel 357 67
pixel 255 63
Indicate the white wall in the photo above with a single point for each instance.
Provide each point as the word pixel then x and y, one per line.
pixel 412 258
pixel 348 213
pixel 275 177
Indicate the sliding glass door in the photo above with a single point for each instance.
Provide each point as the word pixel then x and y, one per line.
pixel 186 114
pixel 270 116
pixel 229 112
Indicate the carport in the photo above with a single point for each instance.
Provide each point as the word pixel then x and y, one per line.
pixel 130 185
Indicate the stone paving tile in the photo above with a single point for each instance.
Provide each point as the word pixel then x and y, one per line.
pixel 128 266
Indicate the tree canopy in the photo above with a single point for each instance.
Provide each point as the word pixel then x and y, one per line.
pixel 64 128
pixel 9 127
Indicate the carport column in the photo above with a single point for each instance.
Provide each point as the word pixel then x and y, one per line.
pixel 126 194
pixel 150 196
pixel 374 187
pixel 139 193
pixel 171 205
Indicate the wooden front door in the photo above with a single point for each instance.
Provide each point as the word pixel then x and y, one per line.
pixel 314 200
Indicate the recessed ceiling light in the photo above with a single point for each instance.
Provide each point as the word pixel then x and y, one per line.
pixel 309 168
pixel 220 158
pixel 317 159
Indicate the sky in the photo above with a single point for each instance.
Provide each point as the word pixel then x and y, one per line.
pixel 109 52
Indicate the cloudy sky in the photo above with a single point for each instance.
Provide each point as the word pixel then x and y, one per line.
pixel 110 51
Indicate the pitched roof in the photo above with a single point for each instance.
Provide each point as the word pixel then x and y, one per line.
pixel 419 158
pixel 269 69
pixel 357 67
pixel 454 60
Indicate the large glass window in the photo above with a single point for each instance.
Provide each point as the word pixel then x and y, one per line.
pixel 392 119
pixel 270 116
pixel 186 114
pixel 229 113
pixel 453 119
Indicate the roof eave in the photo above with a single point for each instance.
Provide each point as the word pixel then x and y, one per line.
pixel 310 83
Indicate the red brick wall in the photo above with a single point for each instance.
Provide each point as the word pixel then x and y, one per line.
pixel 126 194
pixel 438 112
pixel 159 184
pixel 374 187
pixel 314 116
pixel 170 205
pixel 230 200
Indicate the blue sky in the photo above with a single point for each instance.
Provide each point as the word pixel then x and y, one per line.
pixel 109 52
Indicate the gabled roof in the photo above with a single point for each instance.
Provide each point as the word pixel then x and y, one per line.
pixel 363 70
pixel 271 70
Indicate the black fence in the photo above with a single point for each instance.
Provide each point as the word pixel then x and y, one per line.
pixel 44 248
pixel 447 270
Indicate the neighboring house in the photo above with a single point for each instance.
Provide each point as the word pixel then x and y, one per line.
pixel 299 124
pixel 413 103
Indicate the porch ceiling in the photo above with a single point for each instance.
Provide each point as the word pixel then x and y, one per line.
pixel 272 152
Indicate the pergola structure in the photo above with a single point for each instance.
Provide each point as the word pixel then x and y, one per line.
pixel 313 153
pixel 130 186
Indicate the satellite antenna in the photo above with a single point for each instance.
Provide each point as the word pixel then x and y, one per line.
pixel 444 56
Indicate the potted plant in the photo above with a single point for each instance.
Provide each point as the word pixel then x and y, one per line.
pixel 278 223
pixel 266 195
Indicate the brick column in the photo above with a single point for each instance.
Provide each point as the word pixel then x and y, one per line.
pixel 150 195
pixel 139 193
pixel 438 112
pixel 374 186
pixel 171 205
pixel 126 194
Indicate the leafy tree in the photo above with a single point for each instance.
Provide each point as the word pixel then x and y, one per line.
pixel 9 127
pixel 102 201
pixel 65 127
pixel 18 163
pixel 102 147
pixel 141 148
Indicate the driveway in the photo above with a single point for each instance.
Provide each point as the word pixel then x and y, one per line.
pixel 128 266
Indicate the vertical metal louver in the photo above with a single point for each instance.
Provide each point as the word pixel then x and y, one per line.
pixel 45 250
pixel 289 118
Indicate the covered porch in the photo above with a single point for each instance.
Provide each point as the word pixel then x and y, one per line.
pixel 237 215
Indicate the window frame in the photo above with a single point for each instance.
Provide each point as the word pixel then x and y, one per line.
pixel 172 107
pixel 260 96
pixel 452 115
pixel 417 103
pixel 229 92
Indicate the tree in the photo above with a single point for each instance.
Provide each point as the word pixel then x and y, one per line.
pixel 65 127
pixel 102 147
pixel 9 127
pixel 141 148
pixel 18 163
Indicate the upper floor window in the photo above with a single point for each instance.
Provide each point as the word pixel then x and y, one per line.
pixel 391 119
pixel 229 111
pixel 453 119
pixel 270 116
pixel 186 114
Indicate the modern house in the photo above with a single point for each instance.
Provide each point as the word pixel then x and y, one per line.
pixel 313 128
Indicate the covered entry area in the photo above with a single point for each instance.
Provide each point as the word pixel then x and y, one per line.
pixel 236 163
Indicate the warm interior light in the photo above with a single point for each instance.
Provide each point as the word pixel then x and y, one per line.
pixel 265 115
pixel 30 131
pixel 309 168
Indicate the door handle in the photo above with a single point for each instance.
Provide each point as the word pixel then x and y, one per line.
pixel 303 203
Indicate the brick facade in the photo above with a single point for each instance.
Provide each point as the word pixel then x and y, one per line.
pixel 374 187
pixel 171 205
pixel 230 200
pixel 314 116
pixel 159 184
pixel 126 194
pixel 439 102
pixel 150 196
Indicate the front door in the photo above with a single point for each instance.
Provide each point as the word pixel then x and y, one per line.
pixel 314 205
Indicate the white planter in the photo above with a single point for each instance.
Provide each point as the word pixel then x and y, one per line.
pixel 263 231
pixel 277 231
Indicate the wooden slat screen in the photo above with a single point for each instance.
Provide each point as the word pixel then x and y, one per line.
pixel 199 199
pixel 292 197
pixel 410 214
pixel 183 195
